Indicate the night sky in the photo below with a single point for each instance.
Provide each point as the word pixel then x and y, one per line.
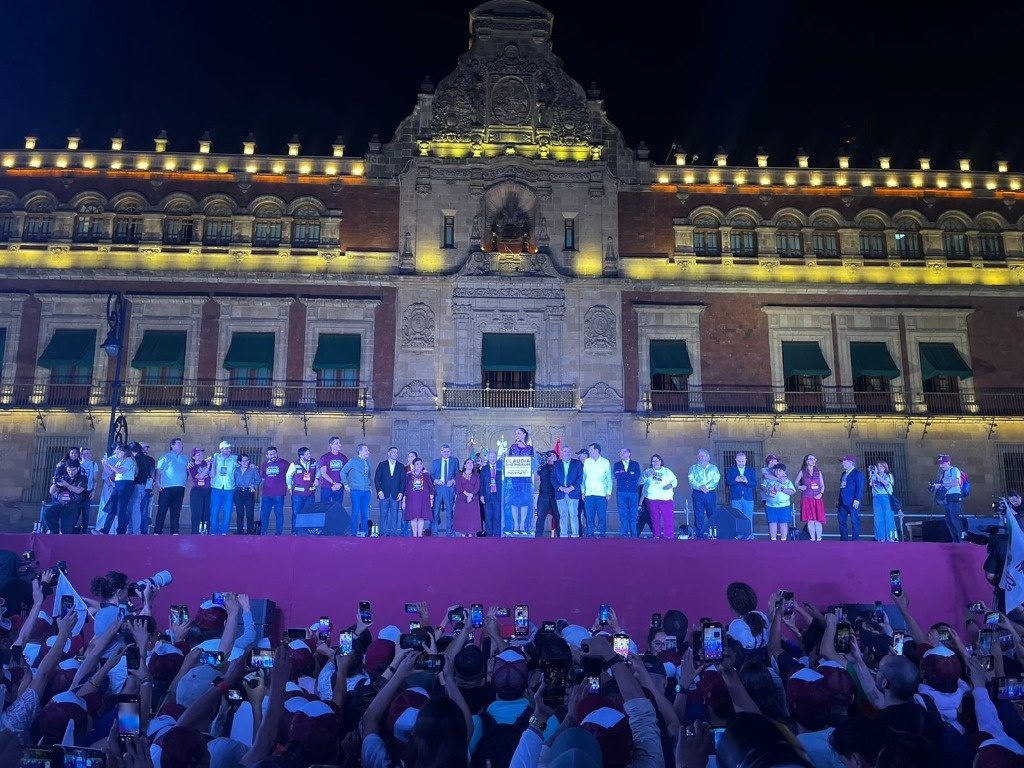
pixel 779 74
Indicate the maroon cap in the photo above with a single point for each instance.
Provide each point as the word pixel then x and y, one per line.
pixel 379 653
pixel 849 457
pixel 943 457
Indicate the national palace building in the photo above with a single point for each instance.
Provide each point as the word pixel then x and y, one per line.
pixel 506 259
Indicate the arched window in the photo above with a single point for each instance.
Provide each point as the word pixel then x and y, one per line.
pixel 89 223
pixel 306 227
pixel 128 223
pixel 990 241
pixel 707 240
pixel 788 240
pixel 6 218
pixel 218 225
pixel 178 225
pixel 908 239
pixel 825 238
pixel 954 239
pixel 266 232
pixel 743 237
pixel 38 221
pixel 872 239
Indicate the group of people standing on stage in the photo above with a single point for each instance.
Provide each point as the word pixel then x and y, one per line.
pixel 513 494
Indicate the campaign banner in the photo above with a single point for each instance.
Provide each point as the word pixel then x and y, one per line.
pixel 519 466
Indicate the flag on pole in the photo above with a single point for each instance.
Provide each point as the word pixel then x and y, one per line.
pixel 1012 580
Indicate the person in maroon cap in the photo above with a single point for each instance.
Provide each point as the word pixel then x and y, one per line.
pixel 946 488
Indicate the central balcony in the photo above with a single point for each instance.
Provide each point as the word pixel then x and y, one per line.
pixel 559 397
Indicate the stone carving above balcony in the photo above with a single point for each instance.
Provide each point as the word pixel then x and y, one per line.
pixel 602 397
pixel 416 395
pixel 599 329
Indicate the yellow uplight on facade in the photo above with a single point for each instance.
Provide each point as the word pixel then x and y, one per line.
pixel 331 170
pixel 663 179
pixel 688 178
pixel 305 168
pixel 840 180
pixel 170 164
pixel 197 166
pixel 357 170
pixel 1002 166
pixel 251 168
pixel 223 168
pixel 966 183
pixel 865 181
pixel 844 162
pixel 965 164
pixel 89 162
pixel 815 180
pixel 766 181
pixel 739 179
pixel 36 161
pixel 714 178
pixel 115 165
pixel 790 180
pixel 277 168
pixel 892 181
pixel 941 182
pixel 142 164
pixel 62 162
pixel 9 161
pixel 990 185
pixel 917 181
pixel 1015 184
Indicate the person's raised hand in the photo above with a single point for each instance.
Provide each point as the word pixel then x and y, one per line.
pixel 244 603
pixel 66 624
pixel 179 631
pixel 540 707
pixel 140 632
pixel 902 601
pixel 641 673
pixel 694 746
pixel 37 592
pixel 687 671
pixel 136 752
pixel 231 603
pixel 255 688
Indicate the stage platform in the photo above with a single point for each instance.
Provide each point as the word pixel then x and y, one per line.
pixel 558 578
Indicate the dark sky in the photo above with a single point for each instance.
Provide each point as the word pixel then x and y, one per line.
pixel 781 74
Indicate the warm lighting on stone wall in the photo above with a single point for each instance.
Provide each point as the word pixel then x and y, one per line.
pixel 689 178
pixel 61 162
pixel 844 161
pixel 142 164
pixel 170 164
pixel 883 162
pixel 252 168
pixel 713 177
pixel 865 181
pixel 965 164
pixel 331 170
pixel 739 179
pixel 663 178
pixel 357 170
pixel 36 161
pixel 1002 166
pixel 30 141
pixel 277 168
pixel 8 161
pixel 762 160
pixel 766 181
pixel 925 162
pixel 197 166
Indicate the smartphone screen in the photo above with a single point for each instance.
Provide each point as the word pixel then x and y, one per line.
pixel 133 657
pixel 261 658
pixel 324 629
pixel 414 625
pixel 697 643
pixel 977 607
pixel 503 613
pixel 430 663
pixel 992 618
pixel 234 696
pixel 879 612
pixel 83 757
pixel 895 583
pixel 716 734
pixel 788 606
pixel 593 684
pixel 945 636
pixel 212 658
pixel 620 644
pixel 179 614
pixel 365 614
pixel 554 683
pixel 844 634
pixel 656 620
pixel 67 605
pixel 41 757
pixel 457 615
pixel 670 643
pixel 985 639
pixel 411 608
pixel 295 633
pixel 712 645
pixel 127 716
pixel 605 614
pixel 476 615
pixel 219 598
pixel 345 643
pixel 522 620
pixel 1009 688
pixel 839 613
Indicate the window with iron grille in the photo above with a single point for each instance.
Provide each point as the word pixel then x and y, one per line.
pixel 954 239
pixel 872 240
pixel 726 451
pixel 893 454
pixel 990 241
pixel 825 238
pixel 908 239
pixel 178 226
pixel 306 228
pixel 1010 465
pixel 742 237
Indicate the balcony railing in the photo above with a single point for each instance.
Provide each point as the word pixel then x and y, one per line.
pixel 195 394
pixel 561 397
pixel 713 398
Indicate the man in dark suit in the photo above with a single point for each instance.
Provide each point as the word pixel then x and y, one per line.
pixel 389 480
pixel 566 480
pixel 627 493
pixel 851 491
pixel 546 497
pixel 442 472
pixel 490 494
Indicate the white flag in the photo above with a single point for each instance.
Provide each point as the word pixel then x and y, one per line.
pixel 1012 580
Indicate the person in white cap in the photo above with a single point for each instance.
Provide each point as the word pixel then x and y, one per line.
pixel 222 495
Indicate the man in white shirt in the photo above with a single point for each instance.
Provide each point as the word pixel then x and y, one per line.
pixel 597 490
pixel 704 478
pixel 222 482
pixel 169 483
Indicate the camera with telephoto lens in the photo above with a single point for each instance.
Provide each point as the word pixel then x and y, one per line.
pixel 157 581
pixel 1001 506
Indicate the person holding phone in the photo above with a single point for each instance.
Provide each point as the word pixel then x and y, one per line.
pixel 658 487
pixel 881 481
pixel 811 484
pixel 466 515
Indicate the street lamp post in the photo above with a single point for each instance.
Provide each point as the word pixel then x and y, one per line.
pixel 114 347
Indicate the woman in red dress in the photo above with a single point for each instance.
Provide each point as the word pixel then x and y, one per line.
pixel 812 488
pixel 418 501
pixel 467 503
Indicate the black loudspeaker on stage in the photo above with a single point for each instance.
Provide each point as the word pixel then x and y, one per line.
pixel 730 523
pixel 323 518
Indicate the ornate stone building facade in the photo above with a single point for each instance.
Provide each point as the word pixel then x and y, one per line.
pixel 505 259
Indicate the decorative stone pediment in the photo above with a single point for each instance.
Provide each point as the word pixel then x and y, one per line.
pixel 481 263
pixel 602 397
pixel 416 394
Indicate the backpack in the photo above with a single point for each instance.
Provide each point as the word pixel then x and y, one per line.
pixel 499 740
pixel 965 485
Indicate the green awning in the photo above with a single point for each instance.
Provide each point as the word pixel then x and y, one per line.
pixel 161 349
pixel 670 358
pixel 803 358
pixel 68 347
pixel 250 350
pixel 943 360
pixel 872 358
pixel 508 352
pixel 337 352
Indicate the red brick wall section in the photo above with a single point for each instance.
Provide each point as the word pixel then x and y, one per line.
pixel 369 218
pixel 645 223
pixel 296 341
pixel 997 343
pixel 385 330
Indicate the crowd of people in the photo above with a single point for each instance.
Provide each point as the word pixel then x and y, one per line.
pixel 522 492
pixel 124 677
